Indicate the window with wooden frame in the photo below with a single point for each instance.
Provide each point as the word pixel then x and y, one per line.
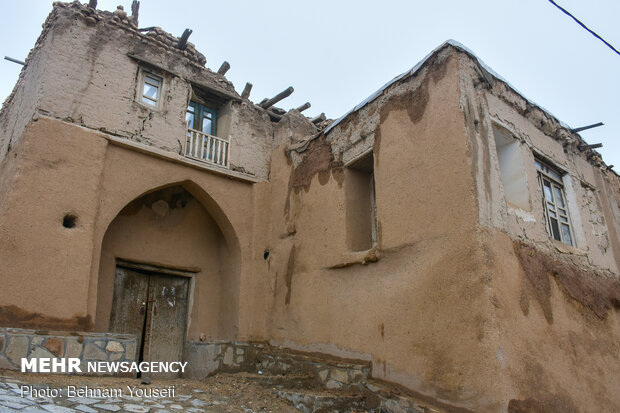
pixel 554 202
pixel 150 90
pixel 201 118
pixel 202 141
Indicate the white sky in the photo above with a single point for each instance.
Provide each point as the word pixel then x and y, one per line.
pixel 336 53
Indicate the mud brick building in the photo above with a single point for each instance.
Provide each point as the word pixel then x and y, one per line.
pixel 446 235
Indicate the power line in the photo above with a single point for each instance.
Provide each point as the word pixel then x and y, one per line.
pixel 584 26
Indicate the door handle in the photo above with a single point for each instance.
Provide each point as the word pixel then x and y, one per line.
pixel 142 308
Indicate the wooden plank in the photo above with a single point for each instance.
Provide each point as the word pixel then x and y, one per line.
pixel 224 68
pixel 169 298
pixel 270 102
pixel 246 90
pixel 129 304
pixel 304 107
pixel 183 40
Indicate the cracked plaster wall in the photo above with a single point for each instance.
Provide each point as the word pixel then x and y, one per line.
pixel 485 107
pixel 81 72
pixel 553 305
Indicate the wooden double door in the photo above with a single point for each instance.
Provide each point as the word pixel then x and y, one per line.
pixel 153 306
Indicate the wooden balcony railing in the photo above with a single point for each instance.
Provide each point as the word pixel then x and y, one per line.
pixel 207 148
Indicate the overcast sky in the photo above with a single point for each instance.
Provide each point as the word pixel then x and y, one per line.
pixel 336 53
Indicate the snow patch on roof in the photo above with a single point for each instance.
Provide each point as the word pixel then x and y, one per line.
pixel 415 68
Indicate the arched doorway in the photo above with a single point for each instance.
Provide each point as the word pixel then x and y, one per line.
pixel 167 274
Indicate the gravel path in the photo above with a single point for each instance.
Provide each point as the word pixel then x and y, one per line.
pixel 67 394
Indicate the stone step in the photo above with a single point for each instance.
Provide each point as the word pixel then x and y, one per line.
pixel 317 401
pixel 332 372
pixel 385 397
pixel 282 381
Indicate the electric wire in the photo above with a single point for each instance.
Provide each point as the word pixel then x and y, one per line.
pixel 584 26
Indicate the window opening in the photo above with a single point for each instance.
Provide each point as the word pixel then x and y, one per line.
pixel 554 203
pixel 151 89
pixel 201 118
pixel 361 205
pixel 511 167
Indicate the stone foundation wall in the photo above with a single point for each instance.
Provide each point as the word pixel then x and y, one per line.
pixel 330 372
pixel 17 343
pixel 208 358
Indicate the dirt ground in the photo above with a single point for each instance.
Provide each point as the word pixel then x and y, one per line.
pixel 220 393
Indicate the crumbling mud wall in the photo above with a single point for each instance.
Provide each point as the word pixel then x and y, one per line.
pixel 555 306
pixel 20 106
pixel 558 328
pixel 86 69
pixel 598 293
pixel 416 303
pixel 55 175
pixel 89 148
pixel 590 188
pixel 79 173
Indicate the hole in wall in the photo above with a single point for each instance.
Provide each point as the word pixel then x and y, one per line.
pixel 69 221
pixel 266 254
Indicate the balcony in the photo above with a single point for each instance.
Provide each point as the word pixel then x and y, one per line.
pixel 207 148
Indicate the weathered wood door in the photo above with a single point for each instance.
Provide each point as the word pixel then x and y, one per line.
pixel 129 304
pixel 152 306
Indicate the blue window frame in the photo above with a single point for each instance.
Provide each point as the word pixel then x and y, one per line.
pixel 201 118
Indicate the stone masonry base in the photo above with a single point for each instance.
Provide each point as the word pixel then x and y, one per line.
pixel 17 343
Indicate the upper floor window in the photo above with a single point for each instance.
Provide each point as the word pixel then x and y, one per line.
pixel 511 168
pixel 151 89
pixel 554 202
pixel 202 142
pixel 361 204
pixel 201 118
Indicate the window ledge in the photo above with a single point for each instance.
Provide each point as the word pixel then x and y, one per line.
pixel 567 249
pixel 349 259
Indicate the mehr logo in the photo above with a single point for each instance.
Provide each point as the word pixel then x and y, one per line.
pixel 72 365
pixel 51 365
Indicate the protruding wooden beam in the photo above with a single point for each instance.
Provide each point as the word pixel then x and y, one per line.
pixel 224 68
pixel 303 107
pixel 594 125
pixel 183 40
pixel 10 59
pixel 593 146
pixel 274 115
pixel 270 102
pixel 92 4
pixel 246 90
pixel 135 8
pixel 319 119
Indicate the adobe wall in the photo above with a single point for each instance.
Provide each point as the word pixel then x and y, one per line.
pixel 555 306
pixel 417 305
pixel 66 169
pixel 19 107
pixel 170 226
pixel 85 69
pixel 591 191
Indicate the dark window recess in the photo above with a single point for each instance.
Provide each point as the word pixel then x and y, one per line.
pixel 361 206
pixel 201 118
